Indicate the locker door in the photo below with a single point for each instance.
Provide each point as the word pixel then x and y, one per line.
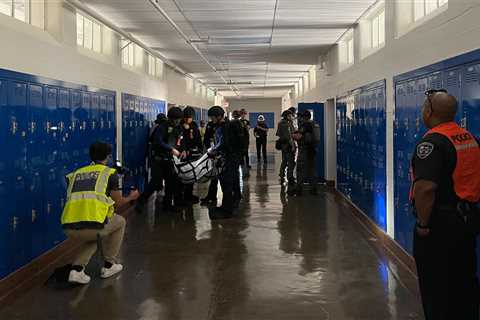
pixel 471 98
pixel 78 118
pixel 6 211
pixel 19 220
pixel 36 161
pixel 86 127
pixel 451 80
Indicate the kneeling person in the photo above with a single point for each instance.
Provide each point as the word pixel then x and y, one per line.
pixel 92 194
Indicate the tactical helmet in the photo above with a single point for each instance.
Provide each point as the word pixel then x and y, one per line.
pixel 160 117
pixel 216 111
pixel 175 113
pixel 286 113
pixel 189 112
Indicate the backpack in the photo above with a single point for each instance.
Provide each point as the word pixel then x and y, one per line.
pixel 59 278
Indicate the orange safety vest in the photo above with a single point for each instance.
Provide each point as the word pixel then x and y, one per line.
pixel 466 176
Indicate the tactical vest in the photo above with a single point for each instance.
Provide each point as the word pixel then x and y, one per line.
pixel 87 200
pixel 466 176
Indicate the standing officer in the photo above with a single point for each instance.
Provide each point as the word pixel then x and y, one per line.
pixel 445 194
pixel 261 133
pixel 246 127
pixel 156 179
pixel 209 141
pixel 285 136
pixel 166 144
pixel 192 146
pixel 306 154
pixel 229 145
pixel 92 194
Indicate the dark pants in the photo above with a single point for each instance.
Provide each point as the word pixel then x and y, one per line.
pixel 246 158
pixel 156 181
pixel 306 167
pixel 446 267
pixel 262 147
pixel 171 183
pixel 228 182
pixel 186 191
pixel 212 189
pixel 288 163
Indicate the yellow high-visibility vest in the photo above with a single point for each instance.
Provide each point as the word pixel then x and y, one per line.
pixel 87 200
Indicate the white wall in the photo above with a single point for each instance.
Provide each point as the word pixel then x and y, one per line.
pixel 53 53
pixel 260 105
pixel 451 32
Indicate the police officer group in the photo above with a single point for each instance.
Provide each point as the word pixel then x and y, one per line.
pixel 445 192
pixel 298 139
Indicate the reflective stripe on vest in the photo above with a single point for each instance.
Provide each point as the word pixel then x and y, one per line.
pixel 86 195
pixel 466 176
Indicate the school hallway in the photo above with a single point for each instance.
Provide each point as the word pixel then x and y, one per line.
pixel 279 258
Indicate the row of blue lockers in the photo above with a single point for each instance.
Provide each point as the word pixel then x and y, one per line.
pixel 361 125
pixel 461 77
pixel 361 145
pixel 46 127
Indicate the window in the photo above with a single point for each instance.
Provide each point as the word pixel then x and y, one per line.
pixel 350 55
pixel 6 7
pixel 422 8
pixel 159 68
pixel 18 9
pixel 151 65
pixel 97 37
pixel 128 52
pixel 80 35
pixel 139 53
pixel 92 35
pixel 378 29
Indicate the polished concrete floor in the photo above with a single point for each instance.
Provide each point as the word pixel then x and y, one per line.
pixel 280 258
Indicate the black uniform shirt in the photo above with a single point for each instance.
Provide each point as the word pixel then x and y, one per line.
pixel 435 159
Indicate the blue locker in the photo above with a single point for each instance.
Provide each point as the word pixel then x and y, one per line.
pixel 43 124
pixel 361 145
pixel 137 118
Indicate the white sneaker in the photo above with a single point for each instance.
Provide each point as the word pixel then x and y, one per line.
pixel 108 272
pixel 79 277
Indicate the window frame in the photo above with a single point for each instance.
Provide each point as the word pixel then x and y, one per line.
pixel 424 4
pixel 27 10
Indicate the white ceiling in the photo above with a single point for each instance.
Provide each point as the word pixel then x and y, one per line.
pixel 240 32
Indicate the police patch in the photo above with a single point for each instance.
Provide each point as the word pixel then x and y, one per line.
pixel 424 149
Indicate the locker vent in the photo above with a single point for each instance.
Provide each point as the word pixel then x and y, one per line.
pixel 471 74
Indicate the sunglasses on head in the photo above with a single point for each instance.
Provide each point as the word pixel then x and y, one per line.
pixel 433 91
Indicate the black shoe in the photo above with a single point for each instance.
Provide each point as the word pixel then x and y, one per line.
pixel 219 213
